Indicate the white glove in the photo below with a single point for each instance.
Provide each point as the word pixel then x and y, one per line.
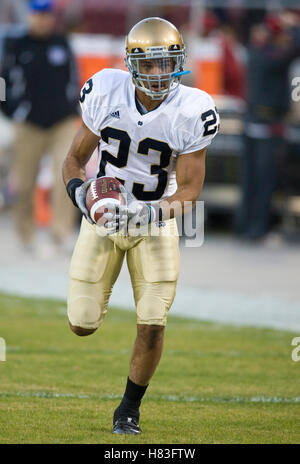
pixel 139 213
pixel 80 196
pixel 116 217
pixel 133 213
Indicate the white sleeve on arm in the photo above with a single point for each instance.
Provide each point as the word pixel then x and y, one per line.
pixel 200 130
pixel 89 102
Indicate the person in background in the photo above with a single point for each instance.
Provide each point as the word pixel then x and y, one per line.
pixel 274 45
pixel 41 99
pixel 232 61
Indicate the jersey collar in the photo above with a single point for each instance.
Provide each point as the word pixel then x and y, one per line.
pixel 150 115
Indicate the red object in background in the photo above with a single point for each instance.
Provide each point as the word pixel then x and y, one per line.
pixel 278 130
pixel 42 207
pixel 233 71
pixel 273 24
pixel 210 22
pixel 105 17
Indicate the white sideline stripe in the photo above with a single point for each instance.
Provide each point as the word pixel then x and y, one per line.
pixel 221 307
pixel 101 202
pixel 170 398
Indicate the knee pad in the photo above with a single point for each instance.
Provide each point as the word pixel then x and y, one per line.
pixel 85 311
pixel 153 306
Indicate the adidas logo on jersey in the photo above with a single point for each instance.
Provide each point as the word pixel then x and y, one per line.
pixel 115 114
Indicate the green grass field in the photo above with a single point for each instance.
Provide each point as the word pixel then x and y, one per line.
pixel 215 383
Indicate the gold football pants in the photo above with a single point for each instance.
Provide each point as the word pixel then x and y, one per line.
pixel 153 264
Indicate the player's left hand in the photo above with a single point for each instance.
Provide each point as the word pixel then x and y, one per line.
pixel 116 217
pixel 140 213
pixel 136 213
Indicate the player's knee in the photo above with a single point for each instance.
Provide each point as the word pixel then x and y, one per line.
pixel 81 331
pixel 85 315
pixel 152 335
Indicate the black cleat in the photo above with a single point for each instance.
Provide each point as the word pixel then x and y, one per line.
pixel 126 425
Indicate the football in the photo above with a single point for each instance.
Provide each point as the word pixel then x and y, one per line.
pixel 99 191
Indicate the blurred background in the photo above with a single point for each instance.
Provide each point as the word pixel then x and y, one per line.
pixel 246 54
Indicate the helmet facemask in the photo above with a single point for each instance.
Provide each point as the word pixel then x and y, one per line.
pixel 167 62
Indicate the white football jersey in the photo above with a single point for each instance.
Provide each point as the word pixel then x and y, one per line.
pixel 141 150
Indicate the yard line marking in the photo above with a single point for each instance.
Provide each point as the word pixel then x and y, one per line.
pixel 170 398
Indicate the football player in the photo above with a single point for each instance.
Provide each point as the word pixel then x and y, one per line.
pixel 152 133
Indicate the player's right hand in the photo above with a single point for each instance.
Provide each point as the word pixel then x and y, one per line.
pixel 80 196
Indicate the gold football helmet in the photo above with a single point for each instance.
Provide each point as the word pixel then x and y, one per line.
pixel 155 56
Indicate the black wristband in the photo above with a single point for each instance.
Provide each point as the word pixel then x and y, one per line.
pixel 71 187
